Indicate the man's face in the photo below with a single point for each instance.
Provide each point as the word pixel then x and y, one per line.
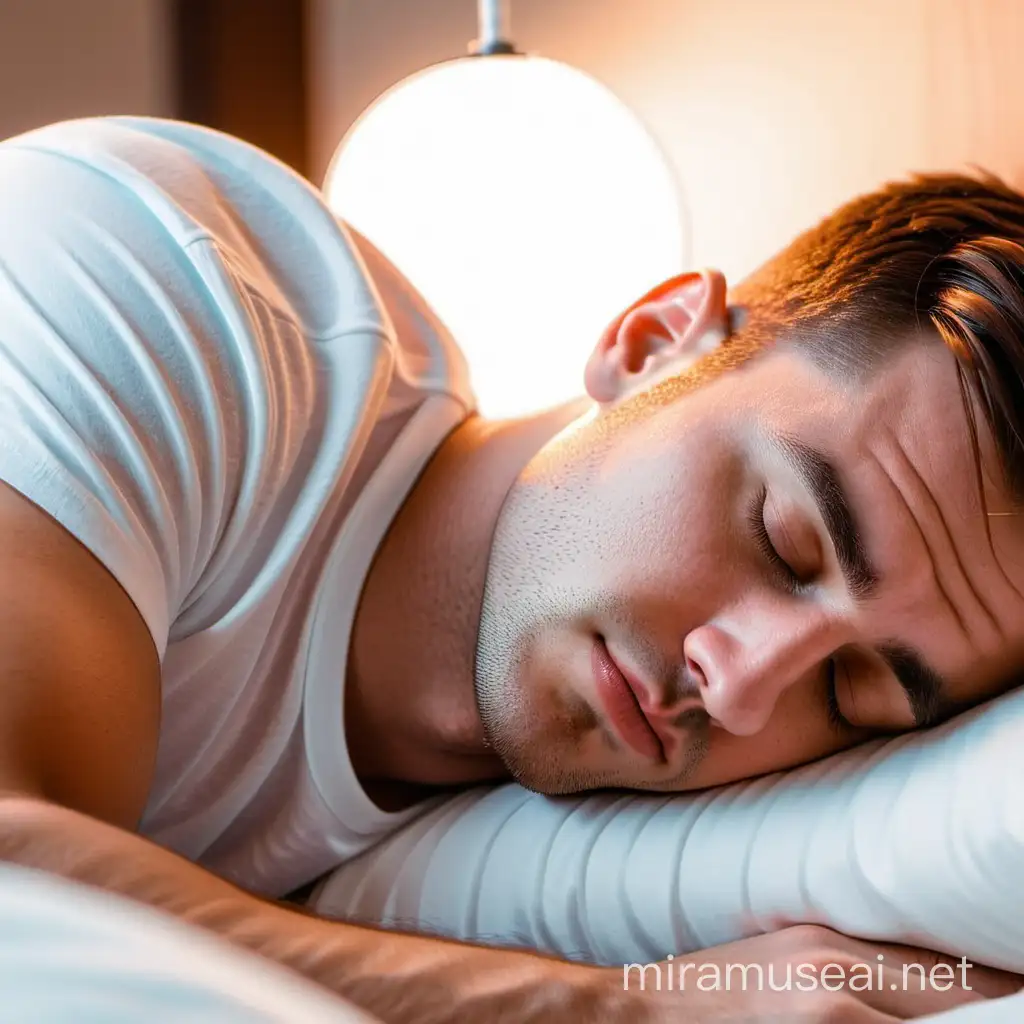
pixel 677 595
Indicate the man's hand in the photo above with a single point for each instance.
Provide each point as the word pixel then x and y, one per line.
pixel 806 975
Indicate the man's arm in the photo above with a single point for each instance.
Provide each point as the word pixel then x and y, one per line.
pixel 397 977
pixel 79 724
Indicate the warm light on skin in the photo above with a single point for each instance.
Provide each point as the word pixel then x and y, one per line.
pixel 525 202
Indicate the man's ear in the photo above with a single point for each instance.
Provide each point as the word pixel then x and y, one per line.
pixel 664 332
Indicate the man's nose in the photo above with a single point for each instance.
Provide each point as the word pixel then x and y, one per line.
pixel 746 660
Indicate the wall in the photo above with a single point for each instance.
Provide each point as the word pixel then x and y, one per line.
pixel 61 59
pixel 773 112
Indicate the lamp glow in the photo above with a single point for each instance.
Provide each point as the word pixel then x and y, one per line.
pixel 525 202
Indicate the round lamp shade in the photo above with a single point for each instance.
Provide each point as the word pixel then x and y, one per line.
pixel 525 202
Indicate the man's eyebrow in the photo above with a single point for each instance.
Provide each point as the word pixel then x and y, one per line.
pixel 923 686
pixel 822 480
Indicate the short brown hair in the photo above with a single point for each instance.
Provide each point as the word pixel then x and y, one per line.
pixel 941 254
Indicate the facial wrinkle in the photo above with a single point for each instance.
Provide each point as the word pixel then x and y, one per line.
pixel 1004 575
pixel 925 497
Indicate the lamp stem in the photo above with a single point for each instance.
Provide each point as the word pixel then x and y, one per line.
pixel 494 27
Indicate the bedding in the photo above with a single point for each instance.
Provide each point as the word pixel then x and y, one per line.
pixel 1009 1010
pixel 69 952
pixel 916 839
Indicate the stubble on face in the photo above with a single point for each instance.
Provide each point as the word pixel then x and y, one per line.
pixel 508 651
pixel 541 728
pixel 534 644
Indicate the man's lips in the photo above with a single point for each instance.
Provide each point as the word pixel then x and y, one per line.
pixel 622 705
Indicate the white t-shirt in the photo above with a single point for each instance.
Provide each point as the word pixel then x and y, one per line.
pixel 225 396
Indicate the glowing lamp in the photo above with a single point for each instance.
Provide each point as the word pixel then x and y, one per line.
pixel 523 200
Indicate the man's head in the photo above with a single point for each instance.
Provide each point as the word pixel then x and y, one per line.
pixel 784 528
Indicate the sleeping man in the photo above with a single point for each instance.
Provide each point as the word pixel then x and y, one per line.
pixel 268 584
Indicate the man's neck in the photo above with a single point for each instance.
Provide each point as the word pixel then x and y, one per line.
pixel 410 710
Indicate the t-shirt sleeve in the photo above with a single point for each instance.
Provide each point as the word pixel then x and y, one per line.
pixel 117 414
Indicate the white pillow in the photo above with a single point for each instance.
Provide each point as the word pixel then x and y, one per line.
pixel 917 839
